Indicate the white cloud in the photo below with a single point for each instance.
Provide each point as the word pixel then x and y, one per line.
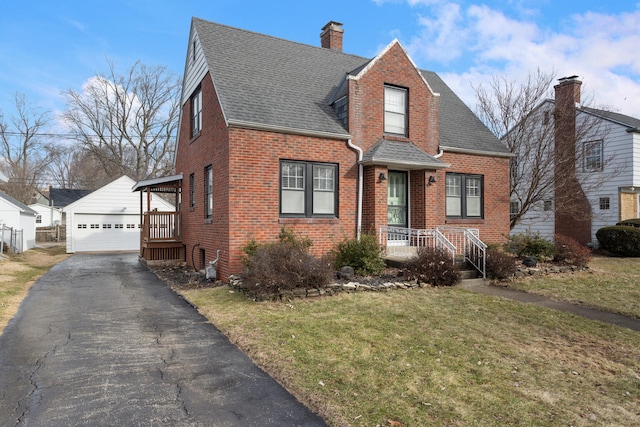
pixel 600 48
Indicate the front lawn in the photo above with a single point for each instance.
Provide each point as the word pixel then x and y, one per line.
pixel 17 274
pixel 436 356
pixel 610 284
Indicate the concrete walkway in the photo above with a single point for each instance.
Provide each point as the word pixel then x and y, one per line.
pixel 483 288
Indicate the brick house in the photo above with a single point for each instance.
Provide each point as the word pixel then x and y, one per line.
pixel 275 133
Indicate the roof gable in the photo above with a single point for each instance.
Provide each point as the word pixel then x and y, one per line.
pixel 364 70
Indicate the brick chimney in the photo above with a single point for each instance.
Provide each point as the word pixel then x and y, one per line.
pixel 331 36
pixel 572 207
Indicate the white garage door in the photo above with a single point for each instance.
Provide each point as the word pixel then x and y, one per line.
pixel 106 232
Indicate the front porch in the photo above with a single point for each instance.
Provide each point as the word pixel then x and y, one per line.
pixel 160 234
pixel 462 244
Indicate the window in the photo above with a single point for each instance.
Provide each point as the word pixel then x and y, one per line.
pixel 82 225
pixel 513 170
pixel 118 225
pixel 464 196
pixel 605 203
pixel 106 225
pixel 38 219
pixel 547 205
pixel 593 156
pixel 395 110
pixel 196 112
pixel 208 192
pixel 192 190
pixel 514 209
pixel 308 189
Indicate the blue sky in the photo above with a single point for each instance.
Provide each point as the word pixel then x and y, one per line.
pixel 48 46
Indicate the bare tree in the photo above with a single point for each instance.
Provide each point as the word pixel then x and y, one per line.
pixel 72 166
pixel 127 122
pixel 23 147
pixel 524 116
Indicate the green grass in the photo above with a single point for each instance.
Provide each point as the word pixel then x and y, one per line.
pixel 437 357
pixel 17 274
pixel 611 284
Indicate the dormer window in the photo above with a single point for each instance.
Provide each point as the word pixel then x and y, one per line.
pixel 395 110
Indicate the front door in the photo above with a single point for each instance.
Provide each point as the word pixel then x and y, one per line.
pixel 397 200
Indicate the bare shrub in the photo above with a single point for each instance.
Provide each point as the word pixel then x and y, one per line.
pixel 433 266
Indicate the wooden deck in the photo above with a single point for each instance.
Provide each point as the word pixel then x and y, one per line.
pixel 160 237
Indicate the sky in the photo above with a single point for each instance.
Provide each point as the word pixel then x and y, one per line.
pixel 49 46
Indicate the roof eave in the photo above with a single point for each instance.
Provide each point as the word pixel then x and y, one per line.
pixel 405 165
pixel 477 152
pixel 243 124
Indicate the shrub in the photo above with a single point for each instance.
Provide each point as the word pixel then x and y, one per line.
pixel 284 265
pixel 364 255
pixel 500 266
pixel 528 244
pixel 634 222
pixel 620 240
pixel 433 266
pixel 569 251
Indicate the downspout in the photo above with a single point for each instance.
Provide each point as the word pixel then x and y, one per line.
pixel 360 186
pixel 440 153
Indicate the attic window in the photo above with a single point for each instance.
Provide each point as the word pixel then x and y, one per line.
pixel 395 110
pixel 193 51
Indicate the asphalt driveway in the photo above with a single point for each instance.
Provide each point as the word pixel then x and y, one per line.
pixel 99 340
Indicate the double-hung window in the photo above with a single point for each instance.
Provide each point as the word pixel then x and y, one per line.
pixel 593 156
pixel 464 196
pixel 208 192
pixel 308 189
pixel 192 190
pixel 196 112
pixel 395 110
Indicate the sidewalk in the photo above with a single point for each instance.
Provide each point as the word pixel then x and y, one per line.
pixel 589 313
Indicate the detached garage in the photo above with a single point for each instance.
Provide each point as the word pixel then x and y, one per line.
pixel 107 219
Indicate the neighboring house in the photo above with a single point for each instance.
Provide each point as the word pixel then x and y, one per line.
pixel 48 216
pixel 277 134
pixel 18 216
pixel 607 170
pixel 107 219
pixel 3 177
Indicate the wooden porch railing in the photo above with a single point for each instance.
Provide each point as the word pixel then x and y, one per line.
pixel 161 226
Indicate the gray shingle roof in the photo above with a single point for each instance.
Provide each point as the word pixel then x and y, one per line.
pixel 628 121
pixel 61 197
pixel 400 153
pixel 271 81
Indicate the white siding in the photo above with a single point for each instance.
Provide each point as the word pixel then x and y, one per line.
pixel 48 215
pixel 13 216
pixel 194 70
pixel 537 221
pixel 112 204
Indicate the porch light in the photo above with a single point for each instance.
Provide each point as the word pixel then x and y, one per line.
pixel 432 179
pixel 382 176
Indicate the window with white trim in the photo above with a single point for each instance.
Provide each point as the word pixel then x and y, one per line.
pixel 395 110
pixel 593 156
pixel 464 196
pixel 38 219
pixel 308 189
pixel 196 112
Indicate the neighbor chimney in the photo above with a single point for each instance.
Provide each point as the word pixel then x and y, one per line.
pixel 572 207
pixel 331 36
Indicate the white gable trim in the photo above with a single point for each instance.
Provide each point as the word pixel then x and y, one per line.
pixel 371 63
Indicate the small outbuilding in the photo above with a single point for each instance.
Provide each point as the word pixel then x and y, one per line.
pixel 19 219
pixel 108 219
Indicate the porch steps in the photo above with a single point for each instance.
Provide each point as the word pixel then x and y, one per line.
pixel 469 277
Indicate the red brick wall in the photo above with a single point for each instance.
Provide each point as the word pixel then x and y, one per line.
pixel 494 227
pixel 366 103
pixel 210 147
pixel 246 187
